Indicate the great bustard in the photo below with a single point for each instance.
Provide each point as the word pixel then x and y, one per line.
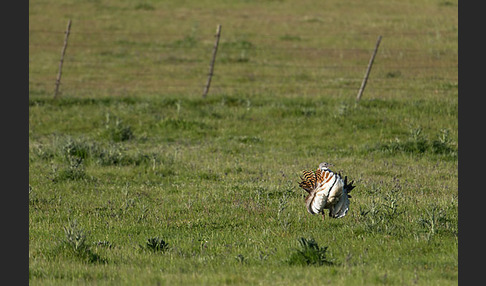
pixel 326 190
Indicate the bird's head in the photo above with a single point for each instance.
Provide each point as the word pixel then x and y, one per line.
pixel 325 166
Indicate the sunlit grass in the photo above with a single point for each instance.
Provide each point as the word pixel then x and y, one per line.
pixel 135 179
pixel 222 191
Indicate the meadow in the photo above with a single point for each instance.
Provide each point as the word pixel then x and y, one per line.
pixel 136 179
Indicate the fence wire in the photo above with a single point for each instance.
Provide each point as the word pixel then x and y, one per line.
pixel 137 63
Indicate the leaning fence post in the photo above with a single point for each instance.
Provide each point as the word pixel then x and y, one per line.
pixel 211 65
pixel 58 80
pixel 365 79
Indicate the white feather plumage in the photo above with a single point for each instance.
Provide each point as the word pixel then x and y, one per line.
pixel 327 190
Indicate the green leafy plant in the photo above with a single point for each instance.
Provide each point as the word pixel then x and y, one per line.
pixel 385 209
pixel 444 144
pixel 156 244
pixel 117 130
pixel 75 241
pixel 309 254
pixel 73 171
pixel 78 148
pixel 436 220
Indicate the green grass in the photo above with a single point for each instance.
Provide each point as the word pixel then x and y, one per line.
pixel 134 183
pixel 222 191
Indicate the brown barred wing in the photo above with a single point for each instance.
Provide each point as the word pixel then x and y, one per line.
pixel 308 180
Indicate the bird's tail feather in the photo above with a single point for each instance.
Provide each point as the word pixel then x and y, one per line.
pixel 348 187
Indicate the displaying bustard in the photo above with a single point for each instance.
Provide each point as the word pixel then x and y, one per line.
pixel 327 190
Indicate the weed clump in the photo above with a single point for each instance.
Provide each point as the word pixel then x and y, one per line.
pixel 79 151
pixel 77 148
pixel 155 244
pixel 116 130
pixel 383 213
pixel 75 242
pixel 309 254
pixel 115 155
pixel 73 171
pixel 418 143
pixel 437 220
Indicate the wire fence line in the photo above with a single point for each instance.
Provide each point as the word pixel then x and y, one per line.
pixel 131 65
pixel 75 62
pixel 164 33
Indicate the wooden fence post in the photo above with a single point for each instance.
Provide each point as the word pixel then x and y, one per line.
pixel 365 79
pixel 58 80
pixel 211 65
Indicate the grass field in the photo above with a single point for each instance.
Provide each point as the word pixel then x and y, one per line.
pixel 135 179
